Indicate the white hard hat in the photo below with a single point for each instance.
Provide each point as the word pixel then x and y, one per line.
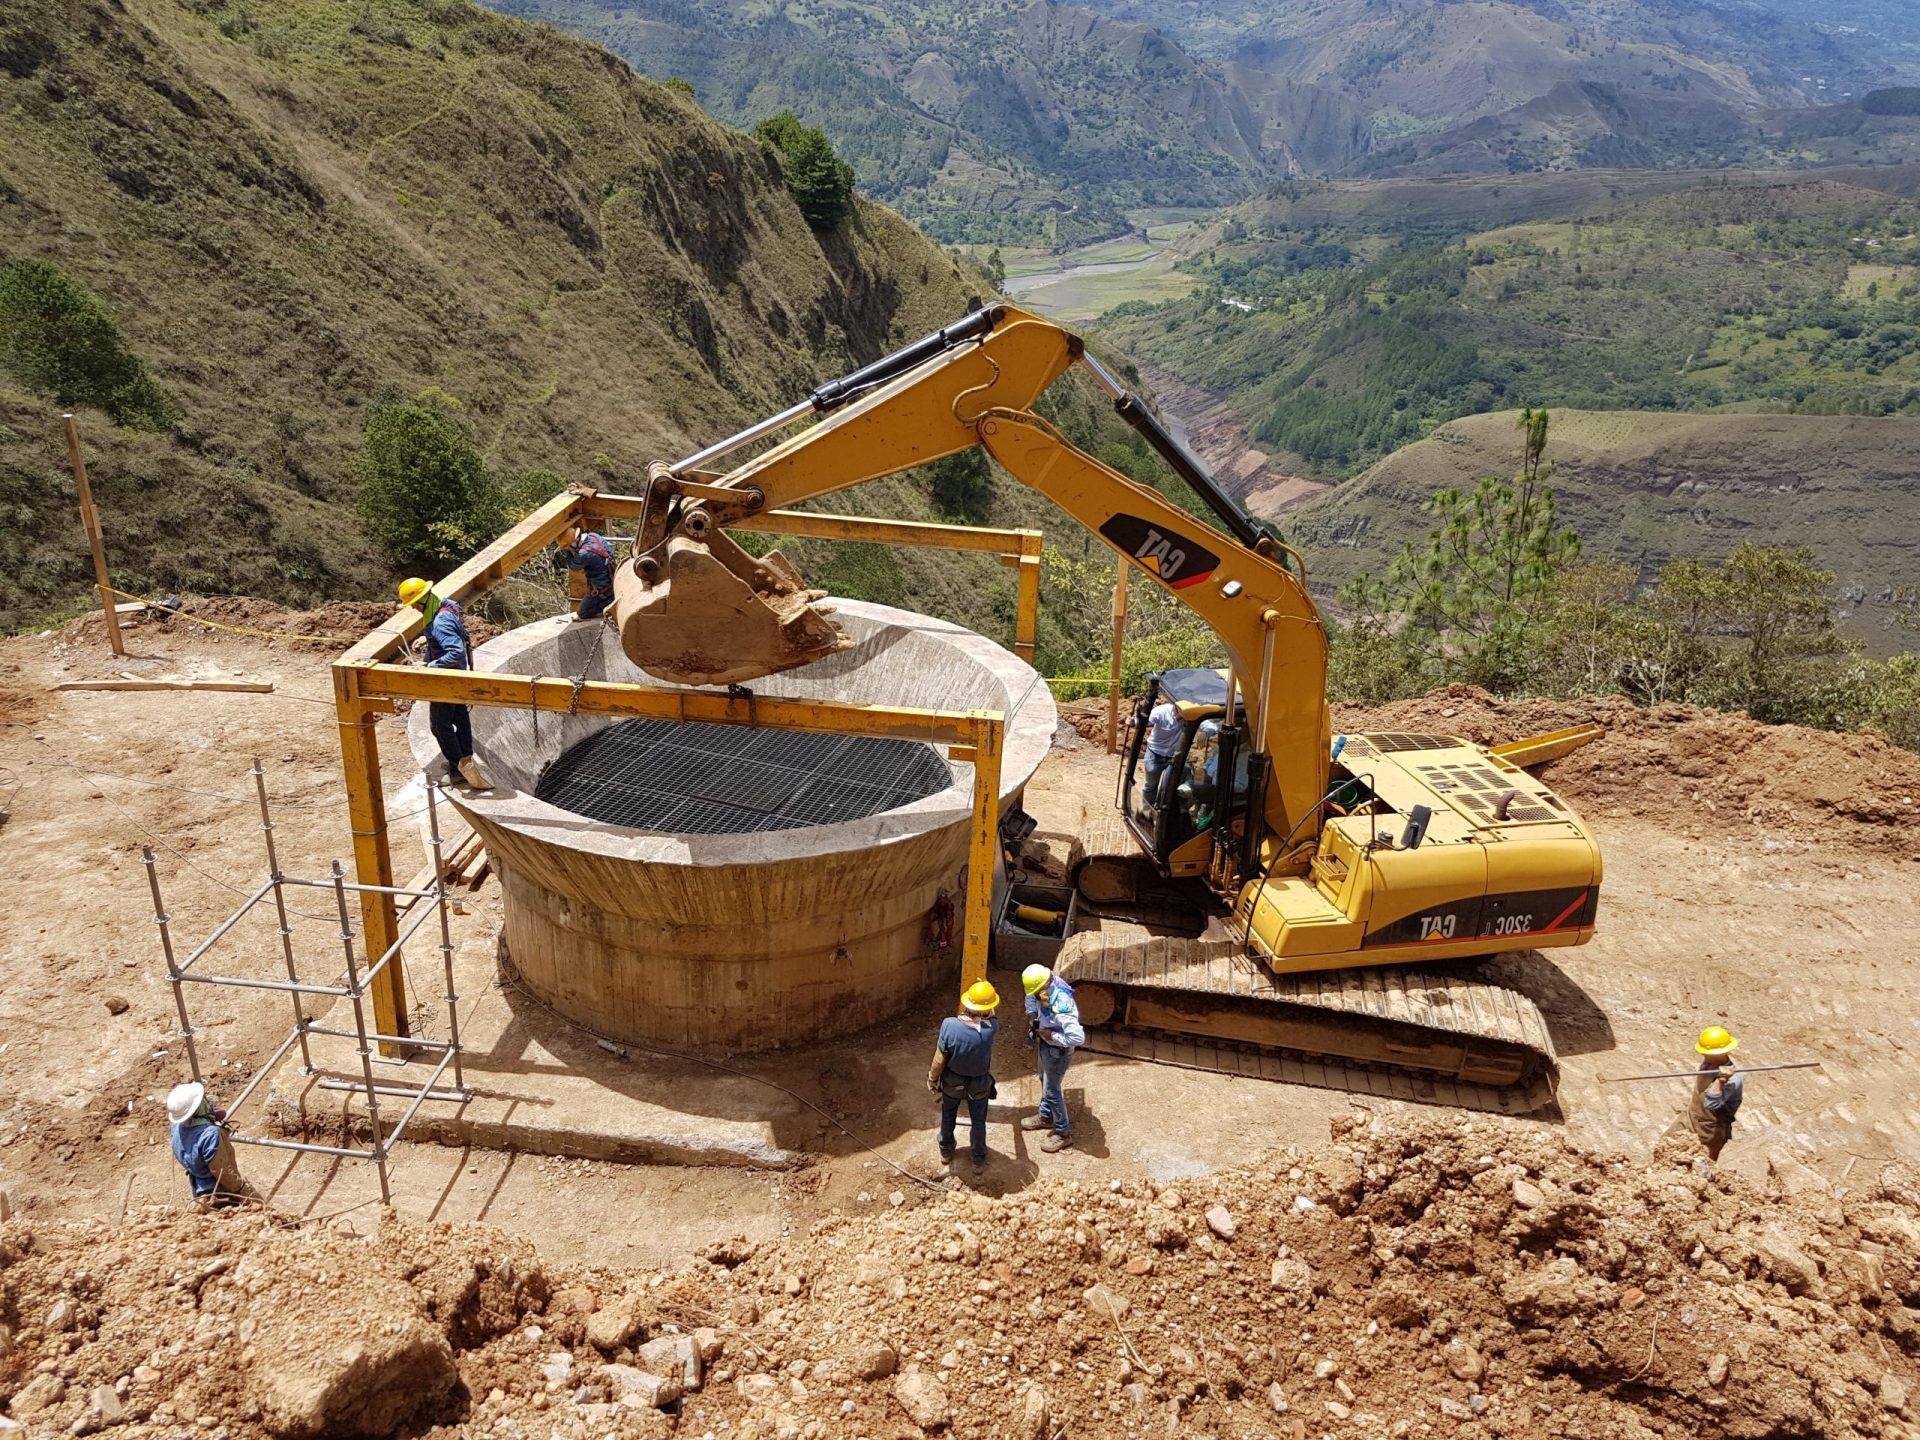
pixel 184 1099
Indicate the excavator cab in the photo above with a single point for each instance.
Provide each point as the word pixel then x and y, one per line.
pixel 1186 813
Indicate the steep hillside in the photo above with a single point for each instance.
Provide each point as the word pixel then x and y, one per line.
pixel 297 211
pixel 1018 119
pixel 1646 488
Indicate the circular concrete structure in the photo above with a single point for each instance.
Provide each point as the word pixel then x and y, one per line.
pixel 769 919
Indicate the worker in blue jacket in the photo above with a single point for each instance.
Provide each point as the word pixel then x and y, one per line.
pixel 584 550
pixel 200 1144
pixel 447 649
pixel 1053 1026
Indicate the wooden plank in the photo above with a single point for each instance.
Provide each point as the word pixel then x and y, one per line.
pixel 246 687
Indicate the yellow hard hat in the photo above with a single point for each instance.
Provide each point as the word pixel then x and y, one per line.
pixel 980 998
pixel 1033 977
pixel 411 589
pixel 1716 1040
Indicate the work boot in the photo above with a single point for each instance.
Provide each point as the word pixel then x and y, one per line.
pixel 471 772
pixel 1055 1143
pixel 979 1164
pixel 946 1154
pixel 1034 1122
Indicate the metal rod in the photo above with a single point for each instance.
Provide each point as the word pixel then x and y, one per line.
pixel 360 1024
pixel 408 1040
pixel 280 909
pixel 446 935
pixel 225 925
pixel 166 948
pixel 233 1106
pixel 426 1091
pixel 360 889
pixel 305 987
pixel 90 519
pixel 404 1091
pixel 393 950
pixel 700 459
pixel 1719 1072
pixel 302 1146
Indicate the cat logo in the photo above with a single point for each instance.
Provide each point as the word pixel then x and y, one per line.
pixel 1174 559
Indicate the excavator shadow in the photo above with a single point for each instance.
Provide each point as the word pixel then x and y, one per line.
pixel 1577 1025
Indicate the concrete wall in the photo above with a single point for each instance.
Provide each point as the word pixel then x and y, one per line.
pixel 736 941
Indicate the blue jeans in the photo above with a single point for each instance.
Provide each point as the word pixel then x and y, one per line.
pixel 976 1122
pixel 1157 765
pixel 1054 1060
pixel 452 727
pixel 594 605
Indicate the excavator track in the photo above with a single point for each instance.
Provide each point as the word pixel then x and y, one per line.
pixel 1116 882
pixel 1436 1037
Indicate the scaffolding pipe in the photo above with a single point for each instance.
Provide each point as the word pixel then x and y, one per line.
pixel 301 1145
pixel 409 1040
pixel 446 935
pixel 394 890
pixel 360 1024
pixel 393 1138
pixel 225 925
pixel 173 970
pixel 280 909
pixel 405 1092
pixel 305 987
pixel 393 950
pixel 233 1107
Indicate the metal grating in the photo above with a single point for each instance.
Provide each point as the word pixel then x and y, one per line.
pixel 697 779
pixel 1398 741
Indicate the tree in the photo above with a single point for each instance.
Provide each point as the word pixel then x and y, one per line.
pixel 1780 604
pixel 425 497
pixel 820 182
pixel 56 338
pixel 1481 587
pixel 996 267
pixel 962 485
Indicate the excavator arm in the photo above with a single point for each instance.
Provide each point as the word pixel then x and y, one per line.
pixel 694 608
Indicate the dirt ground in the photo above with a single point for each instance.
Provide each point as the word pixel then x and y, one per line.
pixel 1756 876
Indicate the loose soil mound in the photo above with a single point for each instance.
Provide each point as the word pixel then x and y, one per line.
pixel 1415 1279
pixel 1681 764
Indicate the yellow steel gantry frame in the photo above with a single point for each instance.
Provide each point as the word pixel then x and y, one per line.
pixel 367 683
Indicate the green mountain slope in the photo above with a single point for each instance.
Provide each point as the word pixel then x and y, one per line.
pixel 297 211
pixel 1646 488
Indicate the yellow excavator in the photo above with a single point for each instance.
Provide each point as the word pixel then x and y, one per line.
pixel 1329 868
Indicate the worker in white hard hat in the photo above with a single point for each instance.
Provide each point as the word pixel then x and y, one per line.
pixel 1717 1090
pixel 1054 1029
pixel 202 1147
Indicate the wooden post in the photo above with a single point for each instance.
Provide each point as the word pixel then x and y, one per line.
pixel 372 858
pixel 983 855
pixel 1119 642
pixel 90 518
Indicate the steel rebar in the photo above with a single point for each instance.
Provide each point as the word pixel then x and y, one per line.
pixel 1719 1072
pixel 173 971
pixel 280 909
pixel 360 1025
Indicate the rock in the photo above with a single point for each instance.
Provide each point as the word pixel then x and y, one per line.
pixel 1454 1410
pixel 1036 1417
pixel 1291 1275
pixel 1104 1303
pixel 1893 1393
pixel 117 1005
pixel 557 1366
pixel 1633 1298
pixel 1552 1291
pixel 707 1341
pixel 1165 1232
pixel 1170 1199
pixel 574 1300
pixel 1337 1410
pixel 61 1315
pixel 924 1399
pixel 1277 1398
pixel 369 1386
pixel 897 1199
pixel 1139 1392
pixel 1140 1265
pixel 1783 1259
pixel 871 1270
pixel 758 1389
pixel 1325 1370
pixel 1220 1221
pixel 1527 1195
pixel 1717 1371
pixel 610 1328
pixel 106 1404
pixel 639 1388
pixel 1398 1302
pixel 37 1396
pixel 1464 1362
pixel 673 1355
pixel 873 1359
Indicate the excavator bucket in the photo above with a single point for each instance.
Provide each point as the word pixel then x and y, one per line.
pixel 699 610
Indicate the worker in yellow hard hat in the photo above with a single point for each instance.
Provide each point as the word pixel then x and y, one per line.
pixel 1055 1032
pixel 963 1069
pixel 1717 1090
pixel 448 648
